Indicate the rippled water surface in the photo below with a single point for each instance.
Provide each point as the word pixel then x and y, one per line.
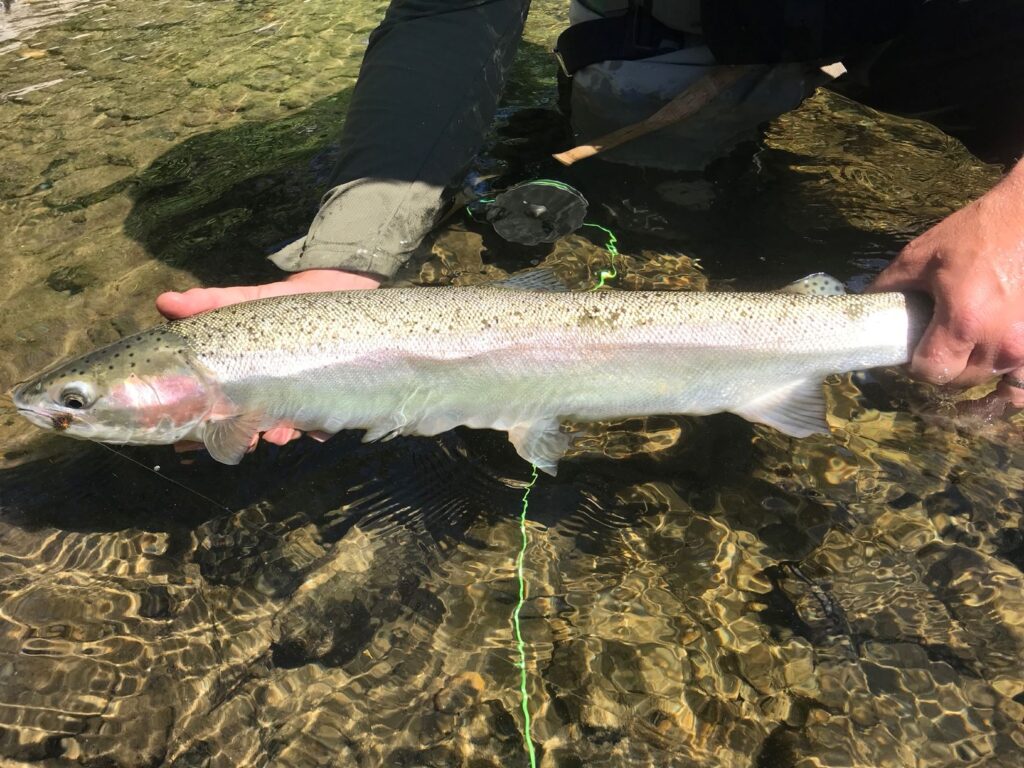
pixel 700 592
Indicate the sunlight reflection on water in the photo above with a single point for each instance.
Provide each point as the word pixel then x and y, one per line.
pixel 700 591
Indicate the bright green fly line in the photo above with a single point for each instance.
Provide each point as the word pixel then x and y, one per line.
pixel 611 245
pixel 608 273
pixel 524 697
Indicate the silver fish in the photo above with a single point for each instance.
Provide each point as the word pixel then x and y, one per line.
pixel 424 360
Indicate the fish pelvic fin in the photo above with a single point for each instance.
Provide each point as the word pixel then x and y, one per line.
pixel 228 439
pixel 541 442
pixel 818 284
pixel 797 409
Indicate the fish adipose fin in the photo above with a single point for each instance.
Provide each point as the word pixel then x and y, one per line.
pixel 228 440
pixel 797 409
pixel 542 443
pixel 818 284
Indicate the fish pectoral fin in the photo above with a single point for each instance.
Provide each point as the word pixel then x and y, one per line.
pixel 228 440
pixel 542 443
pixel 540 280
pixel 797 409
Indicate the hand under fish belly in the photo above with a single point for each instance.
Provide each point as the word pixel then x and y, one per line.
pixel 425 360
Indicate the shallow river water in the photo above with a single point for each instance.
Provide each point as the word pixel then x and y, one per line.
pixel 700 592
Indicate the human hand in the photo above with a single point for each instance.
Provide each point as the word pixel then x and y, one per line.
pixel 972 265
pixel 174 306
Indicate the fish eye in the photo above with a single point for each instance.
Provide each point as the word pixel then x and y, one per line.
pixel 74 397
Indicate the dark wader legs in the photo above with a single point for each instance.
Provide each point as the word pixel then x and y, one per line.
pixel 427 91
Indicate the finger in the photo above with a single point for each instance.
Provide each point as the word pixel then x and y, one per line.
pixel 187 445
pixel 905 273
pixel 979 321
pixel 1012 388
pixel 315 280
pixel 941 356
pixel 1010 356
pixel 898 277
pixel 980 367
pixel 174 306
pixel 281 435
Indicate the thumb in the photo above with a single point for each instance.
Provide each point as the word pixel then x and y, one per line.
pixel 901 275
pixel 941 355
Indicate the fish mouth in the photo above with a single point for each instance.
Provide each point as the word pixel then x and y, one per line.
pixel 44 420
pixel 59 422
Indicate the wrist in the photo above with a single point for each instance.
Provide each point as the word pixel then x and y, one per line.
pixel 1016 175
pixel 1005 201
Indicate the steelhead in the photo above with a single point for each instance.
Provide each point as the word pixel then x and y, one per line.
pixel 424 360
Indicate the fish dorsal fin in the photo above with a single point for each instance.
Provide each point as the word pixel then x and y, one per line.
pixel 818 284
pixel 541 442
pixel 797 409
pixel 543 280
pixel 228 440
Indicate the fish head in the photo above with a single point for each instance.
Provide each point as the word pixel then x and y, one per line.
pixel 144 389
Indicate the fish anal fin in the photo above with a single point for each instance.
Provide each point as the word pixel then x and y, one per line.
pixel 382 432
pixel 228 439
pixel 818 284
pixel 542 443
pixel 797 409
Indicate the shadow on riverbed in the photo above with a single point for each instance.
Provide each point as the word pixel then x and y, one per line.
pixel 438 487
pixel 219 202
pixel 433 484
